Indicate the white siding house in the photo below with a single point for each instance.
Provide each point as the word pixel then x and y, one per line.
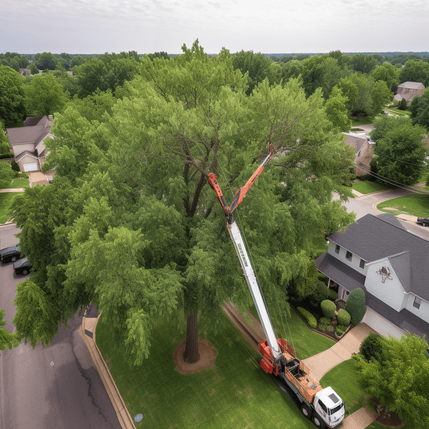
pixel 390 264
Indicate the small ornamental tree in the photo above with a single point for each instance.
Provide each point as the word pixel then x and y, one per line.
pixel 356 306
pixel 372 347
pixel 343 317
pixel 328 308
pixel 402 104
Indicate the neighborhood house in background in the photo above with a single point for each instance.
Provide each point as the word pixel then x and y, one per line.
pixel 390 264
pixel 409 90
pixel 29 148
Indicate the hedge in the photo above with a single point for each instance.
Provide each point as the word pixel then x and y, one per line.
pixel 328 308
pixel 311 320
pixel 6 155
pixel 343 317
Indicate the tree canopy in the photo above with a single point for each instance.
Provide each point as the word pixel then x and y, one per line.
pixel 12 95
pixel 399 377
pixel 130 222
pixel 45 96
pixel 400 150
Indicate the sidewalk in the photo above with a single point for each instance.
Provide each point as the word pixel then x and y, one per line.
pixel 321 363
pixel 87 332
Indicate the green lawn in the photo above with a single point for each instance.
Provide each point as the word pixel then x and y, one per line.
pixel 5 199
pixel 343 379
pixel 366 187
pixel 19 183
pixel 395 111
pixel 416 205
pixel 362 121
pixel 236 393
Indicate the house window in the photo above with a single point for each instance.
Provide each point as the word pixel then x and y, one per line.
pixel 349 256
pixel 362 263
pixel 417 302
pixel 337 249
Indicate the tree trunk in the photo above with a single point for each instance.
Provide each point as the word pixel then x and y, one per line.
pixel 192 354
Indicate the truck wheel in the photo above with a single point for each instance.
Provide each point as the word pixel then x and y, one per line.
pixel 317 421
pixel 13 259
pixel 305 411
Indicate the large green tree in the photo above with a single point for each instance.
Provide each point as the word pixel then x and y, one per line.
pixel 420 109
pixel 400 150
pixel 6 174
pixel 415 71
pixel 7 339
pixel 141 233
pixel 12 95
pixel 399 378
pixel 45 96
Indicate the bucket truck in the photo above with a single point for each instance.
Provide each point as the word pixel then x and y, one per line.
pixel 323 406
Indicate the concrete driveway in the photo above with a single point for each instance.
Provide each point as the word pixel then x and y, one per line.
pixel 321 363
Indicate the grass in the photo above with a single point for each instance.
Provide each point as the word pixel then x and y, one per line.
pixel 236 393
pixel 5 199
pixel 306 342
pixel 343 379
pixel 19 183
pixel 366 187
pixel 416 205
pixel 363 120
pixel 395 111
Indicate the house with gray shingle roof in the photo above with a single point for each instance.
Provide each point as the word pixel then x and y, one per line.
pixel 390 264
pixel 27 143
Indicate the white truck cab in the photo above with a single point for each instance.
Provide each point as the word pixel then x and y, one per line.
pixel 329 406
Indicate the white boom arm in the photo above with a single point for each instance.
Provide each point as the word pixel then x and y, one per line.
pixel 255 291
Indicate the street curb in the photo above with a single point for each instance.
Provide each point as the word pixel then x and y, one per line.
pixel 87 332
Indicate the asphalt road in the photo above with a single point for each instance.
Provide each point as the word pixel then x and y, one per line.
pixel 366 204
pixel 56 387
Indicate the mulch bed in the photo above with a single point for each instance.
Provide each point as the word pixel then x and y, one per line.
pixel 385 416
pixel 208 355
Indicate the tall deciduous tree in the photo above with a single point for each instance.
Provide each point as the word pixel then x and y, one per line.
pixel 45 96
pixel 138 194
pixel 12 95
pixel 6 174
pixel 400 150
pixel 7 339
pixel 399 378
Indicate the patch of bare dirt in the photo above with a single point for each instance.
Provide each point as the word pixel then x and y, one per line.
pixel 208 355
pixel 385 416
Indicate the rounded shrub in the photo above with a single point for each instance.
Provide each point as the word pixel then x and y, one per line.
pixel 356 306
pixel 311 320
pixel 372 346
pixel 328 308
pixel 332 294
pixel 343 317
pixel 324 321
pixel 340 330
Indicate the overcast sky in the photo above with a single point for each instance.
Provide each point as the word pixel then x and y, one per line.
pixel 267 26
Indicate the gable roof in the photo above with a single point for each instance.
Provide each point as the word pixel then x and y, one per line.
pixel 372 238
pixel 410 85
pixel 29 134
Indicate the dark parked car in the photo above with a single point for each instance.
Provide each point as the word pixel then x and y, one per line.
pixel 10 254
pixel 423 221
pixel 22 266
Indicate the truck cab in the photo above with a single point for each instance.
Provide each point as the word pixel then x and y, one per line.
pixel 329 407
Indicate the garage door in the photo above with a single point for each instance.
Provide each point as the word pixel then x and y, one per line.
pixel 30 167
pixel 381 325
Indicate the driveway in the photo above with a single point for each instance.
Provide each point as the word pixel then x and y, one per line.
pixel 321 363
